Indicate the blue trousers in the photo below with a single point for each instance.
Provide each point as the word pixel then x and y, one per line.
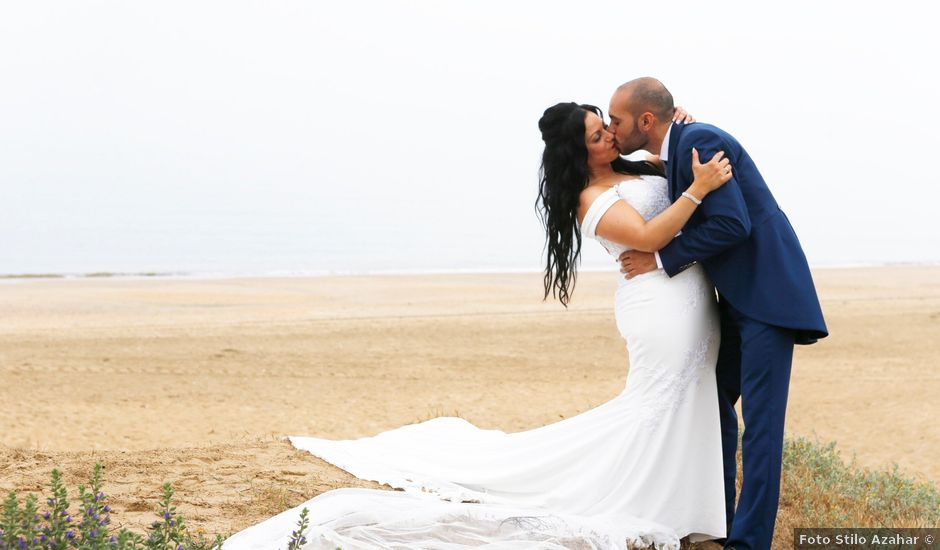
pixel 754 365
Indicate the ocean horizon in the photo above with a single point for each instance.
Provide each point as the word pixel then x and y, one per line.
pixel 234 274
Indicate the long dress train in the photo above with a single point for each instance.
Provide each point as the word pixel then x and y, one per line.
pixel 642 469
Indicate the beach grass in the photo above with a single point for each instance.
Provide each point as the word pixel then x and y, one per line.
pixel 820 489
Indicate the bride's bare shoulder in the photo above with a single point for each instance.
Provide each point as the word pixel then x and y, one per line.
pixel 588 195
pixel 591 192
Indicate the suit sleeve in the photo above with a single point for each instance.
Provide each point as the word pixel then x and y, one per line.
pixel 726 222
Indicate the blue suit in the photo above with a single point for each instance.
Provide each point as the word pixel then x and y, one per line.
pixel 768 303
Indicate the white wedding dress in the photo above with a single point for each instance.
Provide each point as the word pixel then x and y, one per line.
pixel 643 468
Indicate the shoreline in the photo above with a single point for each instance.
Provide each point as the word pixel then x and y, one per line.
pixel 301 274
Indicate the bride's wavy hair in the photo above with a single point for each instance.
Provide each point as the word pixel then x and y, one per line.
pixel 562 177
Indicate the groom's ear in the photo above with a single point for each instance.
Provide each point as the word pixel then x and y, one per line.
pixel 646 121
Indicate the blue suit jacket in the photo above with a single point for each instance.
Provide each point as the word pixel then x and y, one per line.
pixel 741 237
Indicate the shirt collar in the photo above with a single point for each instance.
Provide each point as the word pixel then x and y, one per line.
pixel 664 151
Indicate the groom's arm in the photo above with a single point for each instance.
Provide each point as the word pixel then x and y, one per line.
pixel 727 222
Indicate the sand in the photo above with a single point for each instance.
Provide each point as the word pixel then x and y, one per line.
pixel 197 381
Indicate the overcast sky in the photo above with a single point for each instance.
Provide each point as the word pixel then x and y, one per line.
pixel 404 134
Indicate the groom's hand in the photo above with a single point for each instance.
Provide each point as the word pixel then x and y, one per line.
pixel 634 262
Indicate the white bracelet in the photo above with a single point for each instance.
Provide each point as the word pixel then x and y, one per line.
pixel 691 197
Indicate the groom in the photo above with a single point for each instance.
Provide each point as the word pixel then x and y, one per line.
pixel 765 291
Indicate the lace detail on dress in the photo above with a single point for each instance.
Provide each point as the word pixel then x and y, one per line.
pixel 648 195
pixel 543 527
pixel 696 289
pixel 671 386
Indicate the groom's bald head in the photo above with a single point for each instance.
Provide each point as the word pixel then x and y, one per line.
pixel 644 95
pixel 639 112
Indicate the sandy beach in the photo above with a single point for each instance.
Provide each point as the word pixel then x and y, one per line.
pixel 198 381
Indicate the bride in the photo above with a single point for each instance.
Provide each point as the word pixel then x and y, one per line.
pixel 641 470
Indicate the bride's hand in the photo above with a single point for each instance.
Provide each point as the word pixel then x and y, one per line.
pixel 682 116
pixel 711 175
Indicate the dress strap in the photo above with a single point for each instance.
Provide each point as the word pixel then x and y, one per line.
pixel 596 211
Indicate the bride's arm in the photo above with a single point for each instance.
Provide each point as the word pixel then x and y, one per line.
pixel 624 225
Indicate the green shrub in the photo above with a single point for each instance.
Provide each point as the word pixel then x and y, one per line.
pixel 830 493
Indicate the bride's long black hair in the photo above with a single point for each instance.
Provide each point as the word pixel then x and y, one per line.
pixel 562 177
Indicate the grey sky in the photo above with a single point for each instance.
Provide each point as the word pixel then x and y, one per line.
pixel 172 132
